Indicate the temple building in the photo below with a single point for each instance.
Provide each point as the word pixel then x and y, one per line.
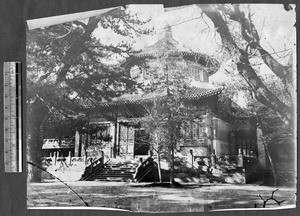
pixel 117 128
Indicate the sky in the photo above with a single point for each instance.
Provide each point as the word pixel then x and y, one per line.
pixel 195 31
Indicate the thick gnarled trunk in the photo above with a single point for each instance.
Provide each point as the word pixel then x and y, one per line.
pixel 36 113
pixel 241 58
pixel 34 156
pixel 262 93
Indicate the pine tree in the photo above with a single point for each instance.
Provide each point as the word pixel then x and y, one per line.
pixel 67 72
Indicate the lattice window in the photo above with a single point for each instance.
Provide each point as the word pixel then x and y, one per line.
pixel 100 133
pixel 198 74
pixel 130 134
pixel 193 129
pixel 123 133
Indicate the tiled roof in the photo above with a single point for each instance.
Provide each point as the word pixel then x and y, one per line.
pixel 167 45
pixel 193 93
pixel 198 93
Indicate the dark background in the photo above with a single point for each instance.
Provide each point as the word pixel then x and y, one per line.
pixel 13 16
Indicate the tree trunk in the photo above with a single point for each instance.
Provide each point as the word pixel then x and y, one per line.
pixel 272 164
pixel 172 181
pixel 77 47
pixel 36 114
pixel 159 167
pixel 250 34
pixel 34 143
pixel 262 93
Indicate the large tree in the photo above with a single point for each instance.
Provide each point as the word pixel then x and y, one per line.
pixel 272 97
pixel 168 83
pixel 70 68
pixel 242 43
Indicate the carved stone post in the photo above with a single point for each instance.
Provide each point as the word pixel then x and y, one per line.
pixel 70 158
pixel 54 158
pixel 240 160
pixel 77 147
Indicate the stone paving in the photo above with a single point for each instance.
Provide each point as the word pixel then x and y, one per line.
pixel 142 198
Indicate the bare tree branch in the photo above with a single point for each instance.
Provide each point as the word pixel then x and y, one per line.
pixel 250 34
pixel 77 47
pixel 262 93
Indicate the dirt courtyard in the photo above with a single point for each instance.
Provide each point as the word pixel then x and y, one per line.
pixel 139 197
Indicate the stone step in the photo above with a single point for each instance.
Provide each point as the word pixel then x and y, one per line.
pixel 118 168
pixel 113 174
pixel 120 164
pixel 117 171
pixel 105 176
pixel 119 179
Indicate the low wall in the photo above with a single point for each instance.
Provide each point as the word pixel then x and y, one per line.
pixel 71 173
pixel 64 168
pixel 226 169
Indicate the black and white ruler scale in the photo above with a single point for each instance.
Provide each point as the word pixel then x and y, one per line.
pixel 12 116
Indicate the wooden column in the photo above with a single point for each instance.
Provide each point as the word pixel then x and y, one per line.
pixel 233 147
pixel 119 139
pixel 115 143
pixel 83 145
pixel 209 130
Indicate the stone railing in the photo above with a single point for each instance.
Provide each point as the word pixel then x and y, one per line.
pixel 48 161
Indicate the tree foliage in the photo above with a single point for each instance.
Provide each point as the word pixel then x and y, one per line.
pixel 243 44
pixel 72 57
pixel 69 68
pixel 168 83
pixel 270 97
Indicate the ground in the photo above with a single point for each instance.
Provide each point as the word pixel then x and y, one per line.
pixel 139 197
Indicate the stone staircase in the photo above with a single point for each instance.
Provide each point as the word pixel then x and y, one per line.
pixel 113 172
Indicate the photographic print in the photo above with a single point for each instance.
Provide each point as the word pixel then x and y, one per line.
pixel 147 108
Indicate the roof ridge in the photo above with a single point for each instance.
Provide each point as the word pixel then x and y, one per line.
pixel 202 93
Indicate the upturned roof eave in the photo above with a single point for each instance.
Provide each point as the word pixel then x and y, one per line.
pixel 211 65
pixel 206 94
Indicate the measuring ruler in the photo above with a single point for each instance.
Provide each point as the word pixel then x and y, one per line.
pixel 12 116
